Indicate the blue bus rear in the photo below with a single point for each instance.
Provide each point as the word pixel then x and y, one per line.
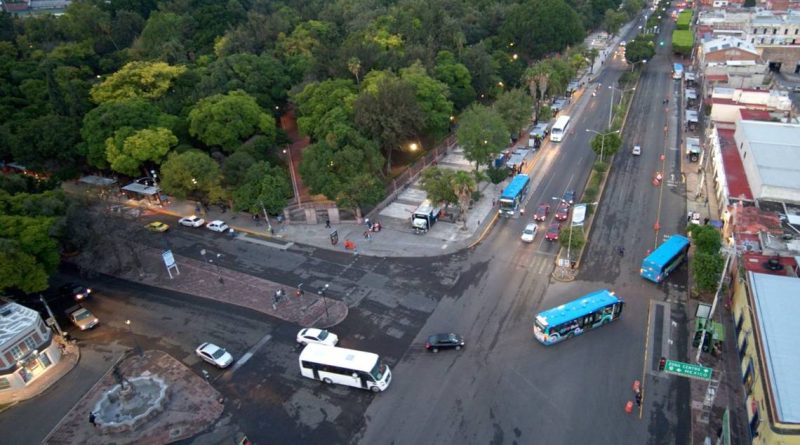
pixel 574 318
pixel 666 258
pixel 677 71
pixel 513 195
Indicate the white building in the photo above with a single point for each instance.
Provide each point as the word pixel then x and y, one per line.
pixel 27 348
pixel 770 153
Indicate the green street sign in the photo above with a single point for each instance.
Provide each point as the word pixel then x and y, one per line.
pixel 688 370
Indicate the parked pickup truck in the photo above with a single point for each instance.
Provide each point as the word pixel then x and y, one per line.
pixel 82 318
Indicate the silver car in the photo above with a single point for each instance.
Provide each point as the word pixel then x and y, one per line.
pixel 215 355
pixel 83 319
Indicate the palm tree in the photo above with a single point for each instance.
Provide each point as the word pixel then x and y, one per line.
pixel 354 66
pixel 464 185
pixel 537 77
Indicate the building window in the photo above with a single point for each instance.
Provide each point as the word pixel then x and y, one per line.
pixel 4 383
pixel 795 31
pixel 743 347
pixel 785 31
pixel 774 31
pixel 754 424
pixel 17 353
pixel 30 343
pixel 739 323
pixel 747 380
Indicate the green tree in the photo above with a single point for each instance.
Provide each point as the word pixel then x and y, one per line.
pixel 129 149
pixel 147 80
pixel 344 167
pixel 514 107
pixel 483 68
pixel 464 185
pixel 192 174
pixel 390 114
pixel 606 144
pixel 438 185
pixel 28 254
pixel 539 27
pixel 639 49
pixel 482 133
pixel 262 77
pixel 164 38
pixel 457 78
pixel 706 269
pixel 432 99
pixel 263 185
pixel 46 142
pixel 322 107
pixel 227 120
pixel 102 122
pixel 706 238
pixel 537 77
pixel 613 20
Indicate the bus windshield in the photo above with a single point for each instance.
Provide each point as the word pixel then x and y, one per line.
pixel 378 371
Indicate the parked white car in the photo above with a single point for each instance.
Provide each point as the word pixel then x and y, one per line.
pixel 191 221
pixel 215 355
pixel 529 233
pixel 637 150
pixel 217 226
pixel 318 336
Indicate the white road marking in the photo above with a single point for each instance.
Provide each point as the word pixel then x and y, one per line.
pixel 249 354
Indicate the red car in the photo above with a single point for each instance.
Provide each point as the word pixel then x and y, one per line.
pixel 562 212
pixel 552 232
pixel 541 212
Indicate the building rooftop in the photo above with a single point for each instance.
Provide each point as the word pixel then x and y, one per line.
pixel 775 151
pixel 756 262
pixel 728 42
pixel 755 115
pixel 738 187
pixel 777 309
pixel 14 319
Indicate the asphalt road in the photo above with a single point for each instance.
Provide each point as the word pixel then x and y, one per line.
pixel 506 388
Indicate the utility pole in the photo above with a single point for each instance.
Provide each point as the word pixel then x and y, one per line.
pixel 713 305
pixel 49 312
pixel 266 218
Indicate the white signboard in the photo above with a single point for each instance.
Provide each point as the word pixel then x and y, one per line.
pixel 578 215
pixel 169 259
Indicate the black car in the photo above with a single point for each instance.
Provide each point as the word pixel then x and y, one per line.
pixel 569 197
pixel 76 291
pixel 444 341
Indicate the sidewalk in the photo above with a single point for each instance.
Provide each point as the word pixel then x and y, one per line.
pixel 70 356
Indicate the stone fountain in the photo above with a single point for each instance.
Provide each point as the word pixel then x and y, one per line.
pixel 130 403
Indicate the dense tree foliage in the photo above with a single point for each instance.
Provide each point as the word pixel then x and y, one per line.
pixel 227 120
pixel 483 134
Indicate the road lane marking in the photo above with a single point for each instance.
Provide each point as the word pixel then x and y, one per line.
pixel 246 357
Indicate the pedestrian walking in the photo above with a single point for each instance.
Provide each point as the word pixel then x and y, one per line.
pixel 366 221
pixel 327 223
pixel 93 419
pixel 705 221
pixel 638 399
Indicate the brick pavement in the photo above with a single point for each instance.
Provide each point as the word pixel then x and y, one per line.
pixel 229 286
pixel 192 406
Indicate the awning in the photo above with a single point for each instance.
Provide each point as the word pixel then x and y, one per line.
pixel 141 189
pixel 98 180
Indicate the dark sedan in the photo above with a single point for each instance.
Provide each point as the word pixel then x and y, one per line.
pixel 562 213
pixel 444 341
pixel 541 212
pixel 569 197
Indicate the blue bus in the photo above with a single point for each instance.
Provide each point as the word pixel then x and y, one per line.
pixel 513 195
pixel 677 71
pixel 662 261
pixel 574 318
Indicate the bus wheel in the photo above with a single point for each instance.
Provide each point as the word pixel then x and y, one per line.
pixel 327 380
pixel 375 389
pixel 458 348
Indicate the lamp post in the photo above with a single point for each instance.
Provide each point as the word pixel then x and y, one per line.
pixel 643 62
pixel 219 256
pixel 288 152
pixel 155 183
pixel 137 349
pixel 611 104
pixel 602 139
pixel 321 293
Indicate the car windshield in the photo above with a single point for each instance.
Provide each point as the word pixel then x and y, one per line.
pixel 528 230
pixel 83 315
pixel 322 335
pixel 378 371
pixel 218 353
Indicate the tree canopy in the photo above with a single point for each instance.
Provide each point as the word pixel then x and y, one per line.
pixel 226 120
pixel 483 134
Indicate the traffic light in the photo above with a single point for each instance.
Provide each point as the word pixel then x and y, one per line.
pixel 662 363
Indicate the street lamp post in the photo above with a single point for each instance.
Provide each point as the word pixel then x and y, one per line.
pixel 219 256
pixel 321 293
pixel 136 348
pixel 643 61
pixel 602 139
pixel 611 104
